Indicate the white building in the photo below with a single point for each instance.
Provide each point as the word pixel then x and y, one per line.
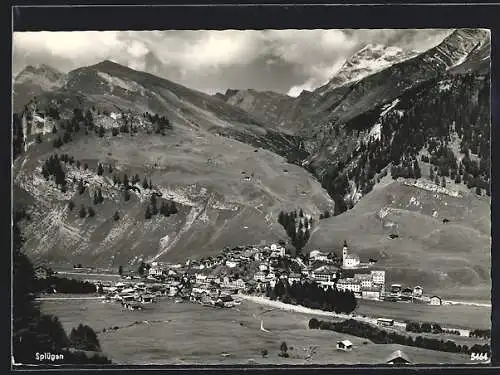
pixel 263 267
pixel 325 273
pixel 349 260
pixel 349 284
pixel 231 263
pixel 365 280
pixel 259 276
pixel 418 291
pixel 344 345
pixel 435 300
pixel 318 256
pixel 378 277
pixel 155 270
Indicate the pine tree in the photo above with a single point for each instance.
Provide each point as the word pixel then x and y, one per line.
pixel 110 168
pixel 91 211
pixel 150 185
pixel 154 209
pixel 78 164
pixel 100 169
pixel 81 187
pixel 125 180
pixel 82 212
pixel 100 198
pixel 145 183
pixel 38 138
pixel 126 196
pixel 147 214
pixel 71 205
pixel 116 216
pixel 102 131
pixel 54 129
pixel 443 182
pixel 431 174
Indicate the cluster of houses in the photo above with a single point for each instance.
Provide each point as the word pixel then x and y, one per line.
pixel 133 296
pixel 214 281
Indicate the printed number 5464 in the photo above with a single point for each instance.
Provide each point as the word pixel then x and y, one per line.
pixel 479 356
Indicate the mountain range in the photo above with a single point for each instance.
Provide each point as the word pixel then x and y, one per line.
pixel 232 162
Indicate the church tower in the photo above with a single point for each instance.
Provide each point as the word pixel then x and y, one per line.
pixel 344 253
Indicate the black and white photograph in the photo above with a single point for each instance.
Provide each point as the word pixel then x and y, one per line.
pixel 251 197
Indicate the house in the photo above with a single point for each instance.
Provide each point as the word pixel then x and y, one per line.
pixel 365 280
pixel 349 284
pixel 418 291
pixel 325 273
pixel 398 358
pixel 378 277
pixel 259 276
pixel 317 255
pixel 42 272
pixel 155 271
pixel 263 267
pixel 225 301
pixel 231 263
pixel 406 293
pixel 385 322
pixel 349 260
pixel 146 299
pixel 396 290
pixel 435 300
pixel 344 345
pixel 294 278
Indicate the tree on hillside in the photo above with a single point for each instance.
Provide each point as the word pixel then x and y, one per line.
pixel 33 331
pixel 102 131
pixel 125 180
pixel 100 169
pixel 154 209
pixel 91 211
pixel 478 190
pixel 81 187
pixel 120 270
pixel 110 168
pixel 147 214
pixel 145 184
pixel 82 213
pixel 71 205
pixel 135 179
pixel 116 216
pixel 54 129
pixel 443 182
pixel 84 338
pixel 126 195
pixel 57 142
pixel 283 350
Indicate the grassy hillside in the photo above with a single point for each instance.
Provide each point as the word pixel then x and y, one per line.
pixel 228 193
pixel 443 257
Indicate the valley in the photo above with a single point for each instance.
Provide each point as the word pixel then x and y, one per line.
pixel 369 194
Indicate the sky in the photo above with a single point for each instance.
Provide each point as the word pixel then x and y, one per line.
pixel 284 61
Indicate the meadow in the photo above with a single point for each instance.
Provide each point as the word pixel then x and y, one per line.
pixel 185 333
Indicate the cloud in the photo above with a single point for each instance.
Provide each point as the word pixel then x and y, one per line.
pixel 209 60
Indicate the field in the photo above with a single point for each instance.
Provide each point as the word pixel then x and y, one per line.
pixel 453 316
pixel 452 260
pixel 170 333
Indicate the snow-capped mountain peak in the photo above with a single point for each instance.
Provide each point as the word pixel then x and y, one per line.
pixel 370 59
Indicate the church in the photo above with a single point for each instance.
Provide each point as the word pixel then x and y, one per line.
pixel 349 260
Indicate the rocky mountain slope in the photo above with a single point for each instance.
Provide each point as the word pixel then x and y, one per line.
pixel 219 165
pixel 34 80
pixel 231 162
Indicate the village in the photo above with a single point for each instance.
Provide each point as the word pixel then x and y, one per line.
pixel 251 270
